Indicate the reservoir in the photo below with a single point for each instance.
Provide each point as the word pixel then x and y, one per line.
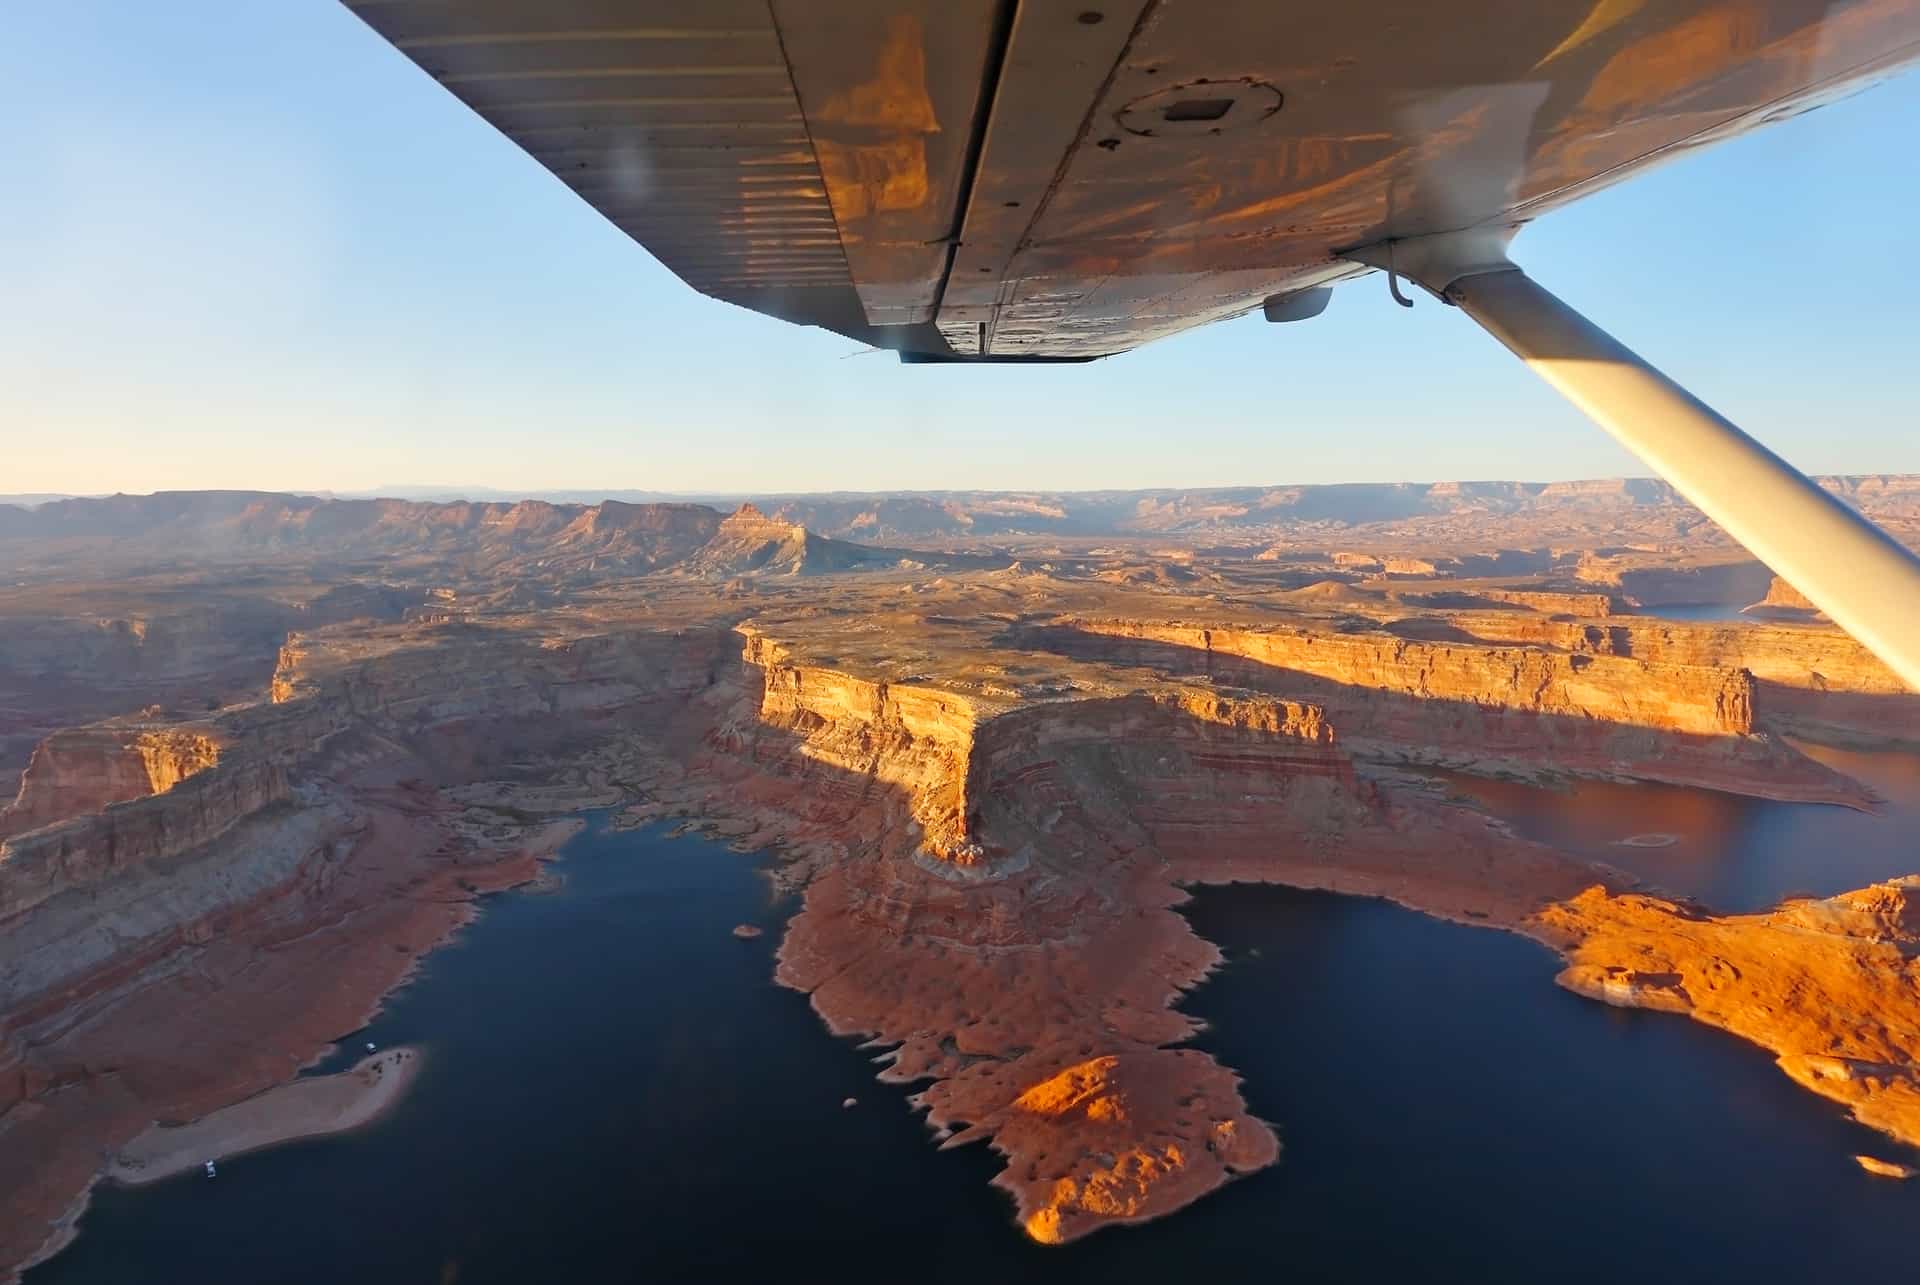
pixel 615 1090
pixel 1730 852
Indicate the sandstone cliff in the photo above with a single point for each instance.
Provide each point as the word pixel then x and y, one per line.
pixel 83 770
pixel 147 828
pixel 991 821
pixel 1734 582
pixel 238 913
pixel 116 809
pixel 1512 709
pixel 72 654
pixel 1784 602
pixel 1828 986
pixel 1809 679
pixel 1005 915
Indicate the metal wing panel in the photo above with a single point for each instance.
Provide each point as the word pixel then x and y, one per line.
pixel 890 100
pixel 1055 65
pixel 1069 178
pixel 1394 118
pixel 679 122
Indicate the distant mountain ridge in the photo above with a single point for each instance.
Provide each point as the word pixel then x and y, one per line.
pixel 749 541
pixel 530 539
pixel 217 524
pixel 638 537
pixel 1231 510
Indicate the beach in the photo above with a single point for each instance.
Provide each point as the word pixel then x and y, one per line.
pixel 304 1108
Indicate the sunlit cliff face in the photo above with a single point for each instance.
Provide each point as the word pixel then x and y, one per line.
pixel 83 771
pixel 989 779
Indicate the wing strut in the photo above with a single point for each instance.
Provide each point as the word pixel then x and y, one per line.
pixel 1845 565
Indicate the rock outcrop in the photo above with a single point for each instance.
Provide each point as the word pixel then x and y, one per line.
pixel 1831 987
pixel 265 900
pixel 84 770
pixel 1733 583
pixel 1783 602
pixel 1006 921
pixel 1808 679
pixel 1518 710
pixel 76 654
pixel 749 542
pixel 990 817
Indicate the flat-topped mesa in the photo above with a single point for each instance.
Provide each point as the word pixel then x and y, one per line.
pixel 915 739
pixel 1810 679
pixel 1788 654
pixel 1701 702
pixel 1193 753
pixel 447 702
pixel 1734 582
pixel 1551 602
pixel 749 540
pixel 1481 707
pixel 1019 943
pixel 84 769
pixel 953 755
pixel 407 677
pixel 750 521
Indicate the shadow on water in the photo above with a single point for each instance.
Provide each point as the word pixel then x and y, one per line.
pixel 1730 852
pixel 615 1091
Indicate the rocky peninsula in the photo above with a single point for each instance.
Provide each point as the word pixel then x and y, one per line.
pixel 989 775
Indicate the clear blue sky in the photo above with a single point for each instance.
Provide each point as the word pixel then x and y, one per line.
pixel 244 243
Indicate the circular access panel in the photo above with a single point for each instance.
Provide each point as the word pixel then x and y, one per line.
pixel 1200 107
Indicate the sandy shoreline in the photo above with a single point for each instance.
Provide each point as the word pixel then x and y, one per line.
pixel 1039 1003
pixel 305 1108
pixel 316 983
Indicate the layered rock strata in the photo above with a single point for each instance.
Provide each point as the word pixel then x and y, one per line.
pixel 991 869
pixel 1808 679
pixel 186 948
pixel 1516 710
pixel 1828 986
pixel 84 770
pixel 1012 934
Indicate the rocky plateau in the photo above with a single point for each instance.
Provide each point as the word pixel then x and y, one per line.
pixel 270 750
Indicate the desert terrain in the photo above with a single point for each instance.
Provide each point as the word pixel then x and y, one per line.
pixel 270 750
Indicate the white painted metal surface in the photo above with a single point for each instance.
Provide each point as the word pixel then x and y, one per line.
pixel 1868 583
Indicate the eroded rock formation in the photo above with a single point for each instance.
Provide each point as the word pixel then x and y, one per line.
pixel 991 792
pixel 1515 709
pixel 84 770
pixel 1828 986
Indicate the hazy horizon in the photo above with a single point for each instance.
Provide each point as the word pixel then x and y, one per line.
pixel 428 491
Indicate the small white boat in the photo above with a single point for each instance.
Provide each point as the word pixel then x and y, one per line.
pixel 210 1170
pixel 369 1046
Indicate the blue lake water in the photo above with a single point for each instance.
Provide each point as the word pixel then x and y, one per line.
pixel 616 1091
pixel 1732 853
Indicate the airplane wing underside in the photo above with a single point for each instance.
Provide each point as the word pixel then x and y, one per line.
pixel 1061 180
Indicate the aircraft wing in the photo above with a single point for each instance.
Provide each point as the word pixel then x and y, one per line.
pixel 1046 180
pixel 1058 180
